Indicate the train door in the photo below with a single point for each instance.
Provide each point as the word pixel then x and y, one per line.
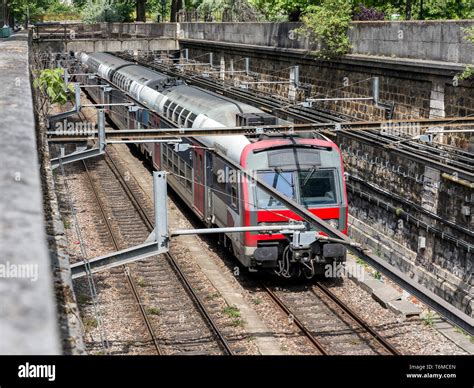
pixel 199 180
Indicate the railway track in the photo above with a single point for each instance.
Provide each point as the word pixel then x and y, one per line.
pixel 328 323
pixel 175 317
pixel 447 159
pixel 343 324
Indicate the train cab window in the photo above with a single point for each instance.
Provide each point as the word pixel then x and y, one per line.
pixel 283 181
pixel 317 187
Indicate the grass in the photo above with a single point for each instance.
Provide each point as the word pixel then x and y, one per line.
pixel 212 296
pixel 377 275
pixel 90 323
pixel 66 223
pixel 237 322
pixel 257 301
pixel 471 338
pixel 232 312
pixel 361 262
pixel 429 318
pixel 141 282
pixel 153 311
pixel 83 299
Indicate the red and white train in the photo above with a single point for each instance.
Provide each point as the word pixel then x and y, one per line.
pixel 308 170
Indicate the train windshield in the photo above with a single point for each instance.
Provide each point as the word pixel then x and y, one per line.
pixel 317 187
pixel 310 187
pixel 283 181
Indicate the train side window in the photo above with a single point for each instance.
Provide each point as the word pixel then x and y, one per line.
pixel 171 109
pixel 189 177
pixel 234 197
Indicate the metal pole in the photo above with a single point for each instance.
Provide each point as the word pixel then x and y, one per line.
pixel 268 228
pixel 101 124
pixel 78 96
pixel 222 69
pixel 247 66
pixel 66 78
pixel 161 213
pixel 375 89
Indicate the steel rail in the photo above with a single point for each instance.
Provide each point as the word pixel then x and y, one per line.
pixel 387 345
pixel 296 320
pixel 189 288
pixel 127 274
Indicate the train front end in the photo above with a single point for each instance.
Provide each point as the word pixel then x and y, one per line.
pixel 309 171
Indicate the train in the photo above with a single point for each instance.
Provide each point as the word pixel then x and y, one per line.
pixel 307 169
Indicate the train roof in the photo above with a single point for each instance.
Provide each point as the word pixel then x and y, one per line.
pixel 142 75
pixel 113 62
pixel 215 106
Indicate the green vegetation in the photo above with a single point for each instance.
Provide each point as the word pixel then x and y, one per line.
pixel 468 72
pixel 153 311
pixel 429 318
pixel 83 299
pixel 232 311
pixel 463 332
pixel 92 11
pixel 50 81
pixel 90 323
pixel 327 25
pixel 212 296
pixel 108 11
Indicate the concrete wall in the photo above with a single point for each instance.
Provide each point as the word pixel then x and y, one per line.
pixel 110 44
pixel 28 322
pixel 426 40
pixel 106 30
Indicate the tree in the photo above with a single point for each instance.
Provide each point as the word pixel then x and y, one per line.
pixel 108 11
pixel 283 10
pixel 327 24
pixel 469 70
pixel 176 6
pixel 141 11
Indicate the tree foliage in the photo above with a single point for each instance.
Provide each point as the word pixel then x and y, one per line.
pixel 108 11
pixel 326 25
pixel 468 72
pixel 51 82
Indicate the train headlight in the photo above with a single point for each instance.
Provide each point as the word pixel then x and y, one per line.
pixel 334 223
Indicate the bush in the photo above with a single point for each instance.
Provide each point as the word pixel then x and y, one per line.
pixel 327 25
pixel 368 14
pixel 108 11
pixel 51 82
